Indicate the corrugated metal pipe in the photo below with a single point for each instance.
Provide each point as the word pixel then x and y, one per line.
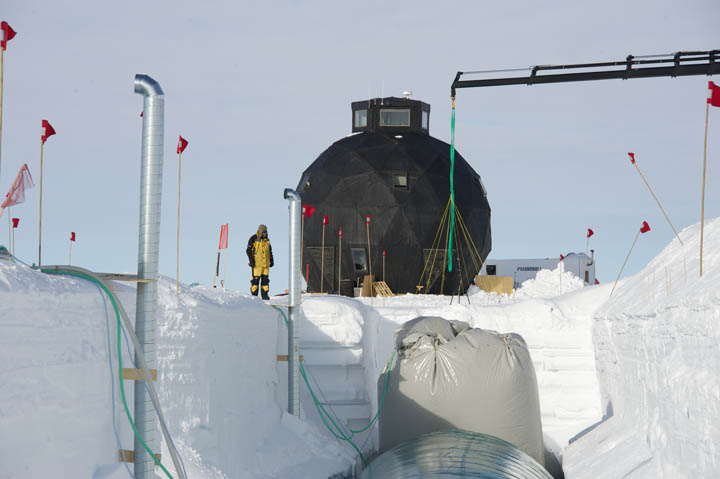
pixel 151 168
pixel 294 304
pixel 455 453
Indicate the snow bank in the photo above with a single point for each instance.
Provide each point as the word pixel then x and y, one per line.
pixel 659 368
pixel 217 384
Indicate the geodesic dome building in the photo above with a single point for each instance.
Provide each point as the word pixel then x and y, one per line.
pixel 391 169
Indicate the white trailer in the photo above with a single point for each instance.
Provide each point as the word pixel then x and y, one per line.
pixel 523 269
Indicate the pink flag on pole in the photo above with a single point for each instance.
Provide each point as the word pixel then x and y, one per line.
pixel 340 232
pixel 632 158
pixel 590 232
pixel 224 236
pixel 645 227
pixel 326 220
pixel 72 236
pixel 16 222
pixel 367 219
pixel 16 195
pixel 561 257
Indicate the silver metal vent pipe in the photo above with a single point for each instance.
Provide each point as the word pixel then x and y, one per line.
pixel 151 169
pixel 294 303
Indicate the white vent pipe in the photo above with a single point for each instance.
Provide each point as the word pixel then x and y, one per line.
pixel 293 304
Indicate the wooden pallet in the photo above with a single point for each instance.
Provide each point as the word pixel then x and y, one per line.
pixel 382 289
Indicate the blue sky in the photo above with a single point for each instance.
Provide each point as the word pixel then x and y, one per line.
pixel 261 89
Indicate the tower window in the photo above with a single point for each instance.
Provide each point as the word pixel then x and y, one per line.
pixel 360 118
pixel 400 182
pixel 359 259
pixel 425 119
pixel 394 117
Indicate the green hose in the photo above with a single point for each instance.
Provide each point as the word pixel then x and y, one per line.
pixel 323 412
pixel 452 187
pixel 122 388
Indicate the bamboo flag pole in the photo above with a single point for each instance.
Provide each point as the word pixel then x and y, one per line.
pixel 10 242
pixel 15 223
pixel 702 203
pixel 182 144
pixel 322 254
pixel 47 131
pixel 632 160
pixel 2 51
pixel 177 239
pixel 367 227
pixel 643 229
pixel 217 270
pixel 590 232
pixel 42 143
pixel 70 252
pixel 339 259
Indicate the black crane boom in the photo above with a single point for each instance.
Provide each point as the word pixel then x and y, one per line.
pixel 672 65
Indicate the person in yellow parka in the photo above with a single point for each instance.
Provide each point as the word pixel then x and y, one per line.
pixel 260 255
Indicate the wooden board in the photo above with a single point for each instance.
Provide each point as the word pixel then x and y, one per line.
pixel 382 289
pixel 284 357
pixel 129 456
pixel 132 374
pixel 495 284
pixel 367 289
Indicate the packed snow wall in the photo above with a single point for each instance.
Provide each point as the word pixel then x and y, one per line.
pixel 656 341
pixel 450 376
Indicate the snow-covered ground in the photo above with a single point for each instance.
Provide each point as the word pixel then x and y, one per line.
pixel 629 383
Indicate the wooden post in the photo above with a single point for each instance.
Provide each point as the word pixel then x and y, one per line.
pixel 625 262
pixel 339 260
pixel 70 253
pixel 177 240
pixel 13 238
pixel 384 253
pixel 702 203
pixel 41 198
pixel 322 259
pixel 587 247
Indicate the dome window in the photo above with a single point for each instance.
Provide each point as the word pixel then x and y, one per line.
pixel 425 120
pixel 394 117
pixel 359 259
pixel 360 118
pixel 400 181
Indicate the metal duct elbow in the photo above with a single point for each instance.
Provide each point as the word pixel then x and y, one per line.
pixel 151 169
pixel 145 85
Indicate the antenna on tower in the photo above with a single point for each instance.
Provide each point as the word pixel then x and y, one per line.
pixel 407 94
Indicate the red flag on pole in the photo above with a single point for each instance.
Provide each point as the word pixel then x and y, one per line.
pixel 47 130
pixel 72 236
pixel 326 220
pixel 224 236
pixel 16 195
pixel 590 232
pixel 713 94
pixel 384 253
pixel 182 144
pixel 16 221
pixel 596 281
pixel 632 158
pixel 367 219
pixel 645 227
pixel 7 34
pixel 307 210
pixel 340 232
pixel 561 257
